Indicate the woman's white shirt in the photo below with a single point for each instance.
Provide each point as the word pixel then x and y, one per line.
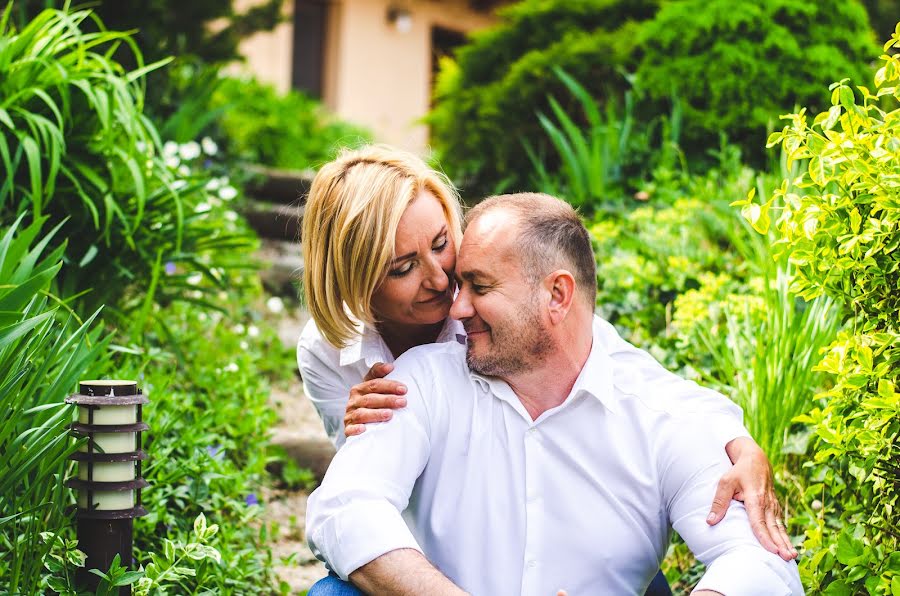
pixel 329 374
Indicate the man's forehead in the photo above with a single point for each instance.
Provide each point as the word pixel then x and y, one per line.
pixel 497 224
pixel 488 244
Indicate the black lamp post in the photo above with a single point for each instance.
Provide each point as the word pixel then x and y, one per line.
pixel 109 478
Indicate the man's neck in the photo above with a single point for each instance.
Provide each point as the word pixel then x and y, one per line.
pixel 548 384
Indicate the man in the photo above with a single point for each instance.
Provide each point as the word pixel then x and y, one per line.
pixel 536 459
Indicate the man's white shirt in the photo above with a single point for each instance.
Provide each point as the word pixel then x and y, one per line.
pixel 330 373
pixel 581 499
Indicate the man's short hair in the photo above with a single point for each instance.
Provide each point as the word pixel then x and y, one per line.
pixel 551 237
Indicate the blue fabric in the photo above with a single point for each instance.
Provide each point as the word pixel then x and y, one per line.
pixel 335 586
pixel 659 586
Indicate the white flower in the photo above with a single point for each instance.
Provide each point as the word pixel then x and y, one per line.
pixel 226 193
pixel 238 329
pixel 195 278
pixel 183 170
pixel 170 149
pixel 244 345
pixel 275 304
pixel 209 146
pixel 201 208
pixel 172 162
pixel 213 184
pixel 232 367
pixel 201 316
pixel 253 331
pixel 141 146
pixel 190 150
pixel 231 215
pixel 179 184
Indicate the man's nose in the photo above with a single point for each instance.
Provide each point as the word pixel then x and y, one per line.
pixel 461 308
pixel 435 277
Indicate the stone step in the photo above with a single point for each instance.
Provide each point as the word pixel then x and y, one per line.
pixel 274 220
pixel 307 452
pixel 271 185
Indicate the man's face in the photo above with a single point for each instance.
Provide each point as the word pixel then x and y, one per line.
pixel 500 310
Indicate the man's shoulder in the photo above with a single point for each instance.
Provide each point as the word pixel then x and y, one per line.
pixel 446 357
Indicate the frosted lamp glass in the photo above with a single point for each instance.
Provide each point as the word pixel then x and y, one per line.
pixel 108 471
pixel 107 500
pixel 109 414
pixel 113 443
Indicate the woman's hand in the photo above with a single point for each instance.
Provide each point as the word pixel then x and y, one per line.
pixel 750 481
pixel 373 400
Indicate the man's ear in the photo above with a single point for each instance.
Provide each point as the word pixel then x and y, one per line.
pixel 561 286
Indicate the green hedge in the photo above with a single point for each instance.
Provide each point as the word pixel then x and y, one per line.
pixel 488 99
pixel 737 66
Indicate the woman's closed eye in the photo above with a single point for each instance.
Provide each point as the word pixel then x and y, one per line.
pixel 440 244
pixel 402 269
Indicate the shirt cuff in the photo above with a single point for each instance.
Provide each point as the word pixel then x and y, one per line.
pixel 359 534
pixel 743 573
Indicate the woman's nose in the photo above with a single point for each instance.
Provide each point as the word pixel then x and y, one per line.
pixel 435 277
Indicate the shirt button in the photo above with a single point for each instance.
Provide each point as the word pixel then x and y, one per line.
pixel 532 564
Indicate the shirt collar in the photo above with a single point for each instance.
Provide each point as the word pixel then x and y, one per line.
pixel 369 347
pixel 595 378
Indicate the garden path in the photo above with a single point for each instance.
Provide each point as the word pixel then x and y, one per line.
pixel 298 429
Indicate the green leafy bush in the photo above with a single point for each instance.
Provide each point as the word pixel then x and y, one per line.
pixel 76 147
pixel 839 223
pixel 284 131
pixel 44 351
pixel 738 65
pixel 486 100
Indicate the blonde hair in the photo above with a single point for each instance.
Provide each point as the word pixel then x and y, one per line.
pixel 349 225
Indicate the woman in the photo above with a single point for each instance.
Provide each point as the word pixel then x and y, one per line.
pixel 380 232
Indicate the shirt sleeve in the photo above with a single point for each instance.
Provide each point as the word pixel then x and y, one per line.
pixel 354 516
pixel 724 418
pixel 737 565
pixel 325 388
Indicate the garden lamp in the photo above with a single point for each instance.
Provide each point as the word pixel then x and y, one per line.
pixel 109 478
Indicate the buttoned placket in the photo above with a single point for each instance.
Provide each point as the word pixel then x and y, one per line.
pixel 534 511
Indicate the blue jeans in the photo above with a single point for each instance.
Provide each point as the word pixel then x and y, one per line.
pixel 335 586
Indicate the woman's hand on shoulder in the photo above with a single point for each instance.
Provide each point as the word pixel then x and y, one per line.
pixel 373 400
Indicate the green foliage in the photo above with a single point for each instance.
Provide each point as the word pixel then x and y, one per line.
pixel 595 159
pixel 285 131
pixel 76 147
pixel 737 65
pixel 165 28
pixel 486 100
pixel 44 351
pixel 838 223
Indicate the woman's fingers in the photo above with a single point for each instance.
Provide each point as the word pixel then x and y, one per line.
pixel 365 416
pixel 378 370
pixel 377 386
pixel 776 530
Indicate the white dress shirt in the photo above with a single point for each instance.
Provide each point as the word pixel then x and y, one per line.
pixel 329 374
pixel 581 499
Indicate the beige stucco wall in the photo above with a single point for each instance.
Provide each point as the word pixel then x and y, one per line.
pixel 375 75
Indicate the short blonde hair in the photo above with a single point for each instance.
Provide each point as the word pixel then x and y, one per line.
pixel 349 225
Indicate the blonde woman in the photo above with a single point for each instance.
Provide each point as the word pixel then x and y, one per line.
pixel 379 239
